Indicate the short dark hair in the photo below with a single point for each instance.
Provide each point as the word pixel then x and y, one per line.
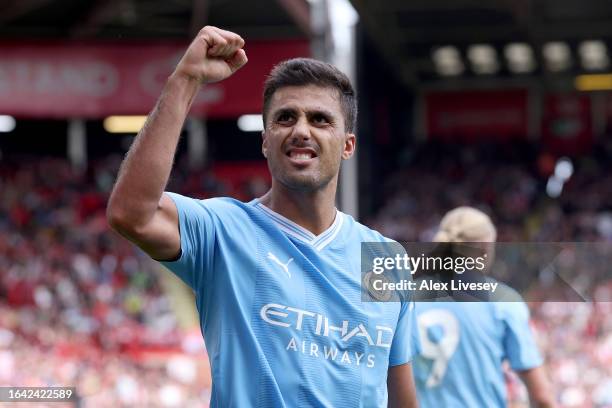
pixel 307 71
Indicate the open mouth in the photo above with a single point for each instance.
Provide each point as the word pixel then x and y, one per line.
pixel 301 154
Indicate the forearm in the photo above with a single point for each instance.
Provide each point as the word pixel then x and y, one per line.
pixel 538 387
pixel 145 171
pixel 400 386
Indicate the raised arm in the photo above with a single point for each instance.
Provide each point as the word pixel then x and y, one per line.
pixel 137 208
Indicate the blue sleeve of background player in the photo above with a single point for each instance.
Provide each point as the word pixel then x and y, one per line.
pixel 197 230
pixel 403 347
pixel 519 343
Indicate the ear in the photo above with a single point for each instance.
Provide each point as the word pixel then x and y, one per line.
pixel 264 144
pixel 349 146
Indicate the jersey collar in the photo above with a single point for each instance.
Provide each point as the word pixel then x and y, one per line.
pixel 298 232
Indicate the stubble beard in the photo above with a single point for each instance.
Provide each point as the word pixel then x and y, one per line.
pixel 301 181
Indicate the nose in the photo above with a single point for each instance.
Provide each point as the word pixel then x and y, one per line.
pixel 301 130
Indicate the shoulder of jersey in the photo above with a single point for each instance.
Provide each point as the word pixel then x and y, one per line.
pixel 224 204
pixel 228 211
pixel 367 234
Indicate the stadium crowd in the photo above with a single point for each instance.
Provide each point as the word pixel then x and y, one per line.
pixel 79 305
pixel 507 181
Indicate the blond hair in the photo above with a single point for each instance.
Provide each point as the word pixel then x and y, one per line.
pixel 466 224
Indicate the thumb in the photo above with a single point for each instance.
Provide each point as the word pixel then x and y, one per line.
pixel 238 60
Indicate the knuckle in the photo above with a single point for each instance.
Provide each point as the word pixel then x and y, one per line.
pixel 206 29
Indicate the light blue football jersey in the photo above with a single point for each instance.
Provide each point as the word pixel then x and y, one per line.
pixel 461 349
pixel 281 311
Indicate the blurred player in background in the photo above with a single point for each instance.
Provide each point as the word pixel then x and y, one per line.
pixel 277 280
pixel 464 344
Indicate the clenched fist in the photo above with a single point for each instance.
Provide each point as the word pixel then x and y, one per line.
pixel 213 55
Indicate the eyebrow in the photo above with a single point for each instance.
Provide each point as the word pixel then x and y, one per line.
pixel 283 111
pixel 322 112
pixel 309 113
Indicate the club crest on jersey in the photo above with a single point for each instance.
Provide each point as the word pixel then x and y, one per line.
pixel 368 285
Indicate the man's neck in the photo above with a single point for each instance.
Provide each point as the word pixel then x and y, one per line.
pixel 312 210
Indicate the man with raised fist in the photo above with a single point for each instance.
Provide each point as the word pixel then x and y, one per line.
pixel 278 279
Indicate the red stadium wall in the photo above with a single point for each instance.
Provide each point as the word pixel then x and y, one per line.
pixel 96 80
pixel 567 123
pixel 476 115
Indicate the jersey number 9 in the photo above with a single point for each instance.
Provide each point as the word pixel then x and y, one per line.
pixel 439 336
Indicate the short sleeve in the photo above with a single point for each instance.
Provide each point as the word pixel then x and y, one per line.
pixel 197 231
pixel 403 346
pixel 519 343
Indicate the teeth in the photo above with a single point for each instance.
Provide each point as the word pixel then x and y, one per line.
pixel 301 156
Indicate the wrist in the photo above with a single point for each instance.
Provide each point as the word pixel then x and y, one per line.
pixel 182 86
pixel 183 81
